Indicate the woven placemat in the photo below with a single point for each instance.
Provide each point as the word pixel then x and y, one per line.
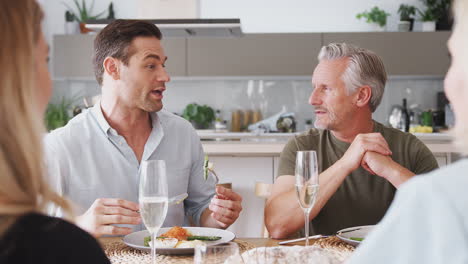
pixel 119 253
pixel 333 242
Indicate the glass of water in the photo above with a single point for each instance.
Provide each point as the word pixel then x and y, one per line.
pixel 153 198
pixel 307 184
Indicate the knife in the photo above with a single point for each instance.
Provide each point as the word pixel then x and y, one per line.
pixel 301 239
pixel 316 236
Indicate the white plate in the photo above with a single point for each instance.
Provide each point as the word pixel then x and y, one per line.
pixel 361 232
pixel 136 239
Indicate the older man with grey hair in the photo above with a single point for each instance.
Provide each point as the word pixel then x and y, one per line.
pixel 361 162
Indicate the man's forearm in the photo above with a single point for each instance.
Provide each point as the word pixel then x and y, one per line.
pixel 399 175
pixel 283 214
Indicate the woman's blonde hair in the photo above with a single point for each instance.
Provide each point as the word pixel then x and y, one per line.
pixel 22 186
pixel 460 10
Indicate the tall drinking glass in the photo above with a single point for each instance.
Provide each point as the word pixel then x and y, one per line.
pixel 153 198
pixel 307 184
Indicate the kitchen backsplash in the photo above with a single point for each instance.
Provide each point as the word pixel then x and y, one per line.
pixel 265 94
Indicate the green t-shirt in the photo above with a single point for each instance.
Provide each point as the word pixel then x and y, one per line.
pixel 362 198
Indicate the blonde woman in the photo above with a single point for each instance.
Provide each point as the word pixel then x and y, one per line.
pixel 26 235
pixel 428 221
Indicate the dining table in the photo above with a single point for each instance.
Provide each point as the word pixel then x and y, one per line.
pixel 119 253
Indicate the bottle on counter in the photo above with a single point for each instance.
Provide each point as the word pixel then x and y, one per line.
pixel 236 121
pixel 405 118
pixel 308 125
pixel 257 116
pixel 246 119
pixel 220 124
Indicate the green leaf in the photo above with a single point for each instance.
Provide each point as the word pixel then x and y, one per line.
pixel 205 168
pixel 203 115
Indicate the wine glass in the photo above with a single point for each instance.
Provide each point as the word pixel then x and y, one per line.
pixel 227 253
pixel 153 198
pixel 307 184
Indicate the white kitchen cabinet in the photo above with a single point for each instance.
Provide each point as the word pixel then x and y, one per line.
pixel 243 173
pixel 275 167
pixel 442 159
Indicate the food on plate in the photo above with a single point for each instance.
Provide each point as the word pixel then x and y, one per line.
pixel 162 242
pixel 357 238
pixel 179 237
pixel 189 244
pixel 204 238
pixel 177 232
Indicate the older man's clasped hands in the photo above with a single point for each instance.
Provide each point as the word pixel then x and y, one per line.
pixel 372 152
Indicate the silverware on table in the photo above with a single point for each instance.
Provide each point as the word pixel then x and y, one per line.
pixel 316 236
pixel 301 239
pixel 347 231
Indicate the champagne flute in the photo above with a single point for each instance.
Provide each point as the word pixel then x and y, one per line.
pixel 307 184
pixel 153 198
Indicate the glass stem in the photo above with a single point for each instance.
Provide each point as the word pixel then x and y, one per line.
pixel 153 247
pixel 306 225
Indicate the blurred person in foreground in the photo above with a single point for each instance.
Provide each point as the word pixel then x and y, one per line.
pixel 26 234
pixel 428 221
pixel 361 162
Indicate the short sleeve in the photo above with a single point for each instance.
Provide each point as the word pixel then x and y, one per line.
pixel 287 162
pixel 416 229
pixel 424 161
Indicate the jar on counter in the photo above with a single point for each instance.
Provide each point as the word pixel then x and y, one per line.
pixel 236 121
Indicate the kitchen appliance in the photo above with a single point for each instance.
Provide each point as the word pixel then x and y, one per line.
pixel 399 117
pixel 179 18
pixel 218 27
pixel 395 117
pixel 286 123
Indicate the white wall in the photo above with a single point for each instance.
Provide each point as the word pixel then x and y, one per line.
pixel 301 15
pixel 257 16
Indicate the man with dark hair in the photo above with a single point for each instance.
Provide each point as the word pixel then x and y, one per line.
pixel 98 153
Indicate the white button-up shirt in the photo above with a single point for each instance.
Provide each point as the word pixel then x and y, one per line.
pixel 87 159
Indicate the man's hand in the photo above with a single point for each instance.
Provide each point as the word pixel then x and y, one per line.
pixel 104 213
pixel 225 206
pixel 385 167
pixel 363 143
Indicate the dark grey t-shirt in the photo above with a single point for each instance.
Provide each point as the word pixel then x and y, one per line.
pixel 362 198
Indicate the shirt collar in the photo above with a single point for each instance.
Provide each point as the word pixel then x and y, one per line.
pixel 106 128
pixel 102 122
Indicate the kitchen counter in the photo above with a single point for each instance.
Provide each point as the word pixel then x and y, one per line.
pixel 271 144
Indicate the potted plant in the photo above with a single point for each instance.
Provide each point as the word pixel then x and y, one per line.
pixel 428 19
pixel 436 15
pixel 57 115
pixel 201 116
pixel 444 17
pixel 375 16
pixel 71 25
pixel 84 14
pixel 406 17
